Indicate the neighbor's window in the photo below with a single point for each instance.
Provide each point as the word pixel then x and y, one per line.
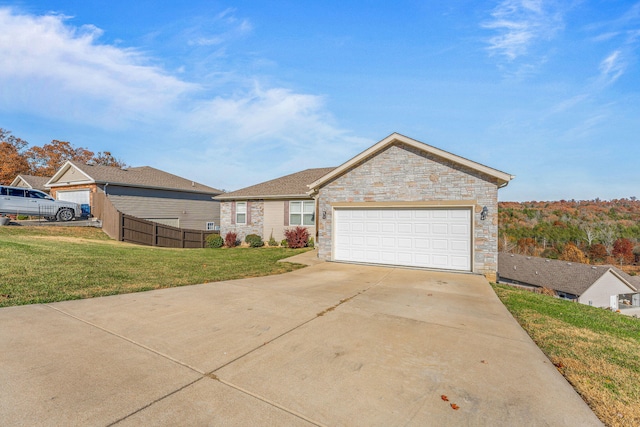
pixel 302 213
pixel 241 212
pixel 211 226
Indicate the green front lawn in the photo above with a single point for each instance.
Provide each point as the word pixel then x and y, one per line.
pixel 597 351
pixel 47 264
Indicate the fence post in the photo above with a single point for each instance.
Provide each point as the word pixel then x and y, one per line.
pixel 154 238
pixel 120 226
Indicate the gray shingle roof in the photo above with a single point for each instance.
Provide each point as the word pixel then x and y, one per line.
pixel 289 186
pixel 143 176
pixel 36 182
pixel 570 277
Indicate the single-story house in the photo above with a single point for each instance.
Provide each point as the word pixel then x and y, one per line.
pixel 598 285
pixel 400 202
pixel 143 192
pixel 31 181
pixel 269 208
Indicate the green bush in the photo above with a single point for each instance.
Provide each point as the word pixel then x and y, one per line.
pixel 272 241
pixel 284 243
pixel 214 241
pixel 22 217
pixel 311 243
pixel 254 240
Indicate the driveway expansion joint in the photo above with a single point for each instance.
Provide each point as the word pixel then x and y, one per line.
pixel 163 355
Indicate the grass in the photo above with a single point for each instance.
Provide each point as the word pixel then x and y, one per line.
pixel 597 351
pixel 48 264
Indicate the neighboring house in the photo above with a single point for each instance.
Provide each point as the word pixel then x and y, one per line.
pixel 402 202
pixel 143 192
pixel 597 285
pixel 31 181
pixel 269 208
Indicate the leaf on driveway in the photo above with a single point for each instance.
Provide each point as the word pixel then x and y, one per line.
pixel 445 398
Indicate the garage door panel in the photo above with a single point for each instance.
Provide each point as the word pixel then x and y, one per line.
pixel 436 238
pixel 422 228
pixel 388 227
pixel 422 243
pixel 459 229
pixel 405 228
pixel 440 229
pixel 440 244
pixel 372 227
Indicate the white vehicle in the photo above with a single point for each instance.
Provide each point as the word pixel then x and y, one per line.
pixel 24 201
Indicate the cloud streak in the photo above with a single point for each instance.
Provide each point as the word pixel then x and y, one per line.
pixel 519 24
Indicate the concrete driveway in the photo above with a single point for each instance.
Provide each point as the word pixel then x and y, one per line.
pixel 332 344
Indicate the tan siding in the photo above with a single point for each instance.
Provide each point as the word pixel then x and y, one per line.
pixel 274 211
pixel 72 175
pixel 274 219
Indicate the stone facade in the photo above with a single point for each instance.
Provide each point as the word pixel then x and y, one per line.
pixel 401 173
pixel 253 226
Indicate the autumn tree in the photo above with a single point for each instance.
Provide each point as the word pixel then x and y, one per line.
pixel 105 158
pixel 46 160
pixel 623 251
pixel 12 159
pixel 598 252
pixel 572 253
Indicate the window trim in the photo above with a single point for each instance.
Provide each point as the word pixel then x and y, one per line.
pixel 301 212
pixel 241 209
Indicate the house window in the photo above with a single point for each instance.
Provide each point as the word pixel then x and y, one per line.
pixel 241 212
pixel 211 226
pixel 302 213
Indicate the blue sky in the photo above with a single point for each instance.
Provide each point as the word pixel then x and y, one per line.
pixel 234 93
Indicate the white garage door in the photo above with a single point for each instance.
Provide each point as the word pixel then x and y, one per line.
pixel 80 197
pixel 433 238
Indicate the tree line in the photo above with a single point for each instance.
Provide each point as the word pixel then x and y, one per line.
pixel 17 157
pixel 589 231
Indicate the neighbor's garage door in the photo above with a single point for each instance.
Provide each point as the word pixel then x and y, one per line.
pixel 80 197
pixel 434 238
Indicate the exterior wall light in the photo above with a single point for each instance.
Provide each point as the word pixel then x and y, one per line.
pixel 483 214
pixel 324 214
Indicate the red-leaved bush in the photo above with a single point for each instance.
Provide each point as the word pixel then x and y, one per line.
pixel 297 237
pixel 230 239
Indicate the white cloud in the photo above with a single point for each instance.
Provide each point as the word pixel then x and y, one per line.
pixel 519 24
pixel 61 70
pixel 612 67
pixel 63 73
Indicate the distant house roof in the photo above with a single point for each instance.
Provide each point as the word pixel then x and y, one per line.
pixel 31 181
pixel 291 186
pixel 569 277
pixel 502 178
pixel 142 177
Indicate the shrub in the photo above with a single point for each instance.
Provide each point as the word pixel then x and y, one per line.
pixel 214 241
pixel 311 243
pixel 272 241
pixel 297 237
pixel 254 240
pixel 231 239
pixel 21 217
pixel 283 243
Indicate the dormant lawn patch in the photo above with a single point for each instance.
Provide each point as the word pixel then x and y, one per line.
pixel 597 351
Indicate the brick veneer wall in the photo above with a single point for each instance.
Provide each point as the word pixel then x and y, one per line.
pixel 255 227
pixel 403 173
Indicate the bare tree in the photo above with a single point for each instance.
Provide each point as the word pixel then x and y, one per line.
pixel 607 234
pixel 590 232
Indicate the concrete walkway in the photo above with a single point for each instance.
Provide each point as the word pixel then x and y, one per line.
pixel 332 344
